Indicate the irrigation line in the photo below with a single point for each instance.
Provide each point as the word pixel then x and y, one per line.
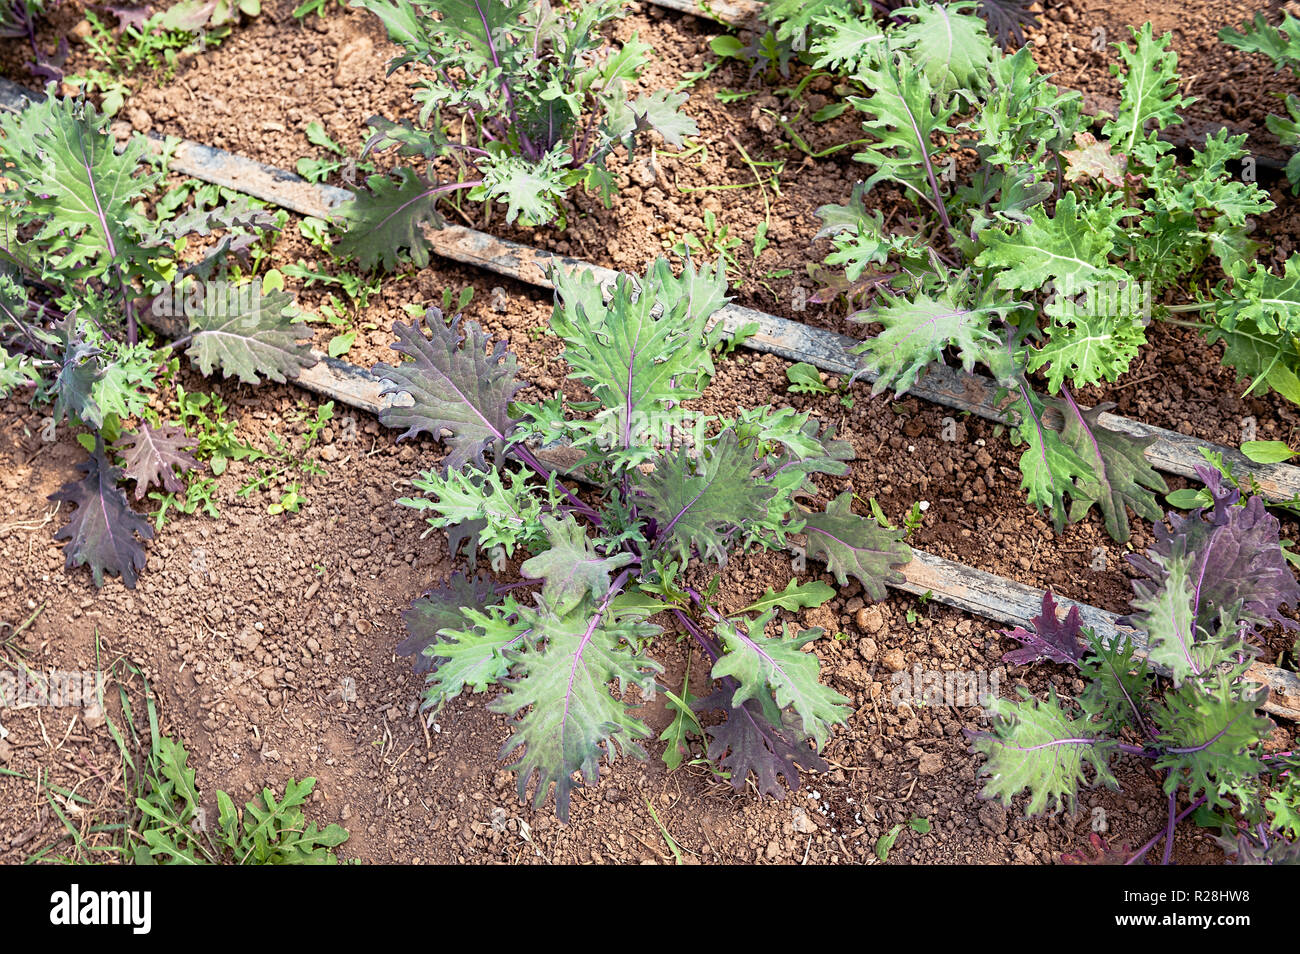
pixel 945 581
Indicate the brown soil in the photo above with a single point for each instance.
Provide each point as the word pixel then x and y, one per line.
pixel 253 630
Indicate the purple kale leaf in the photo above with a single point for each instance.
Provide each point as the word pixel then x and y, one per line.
pixel 1121 475
pixel 388 216
pixel 76 380
pixel 248 334
pixel 101 532
pixel 439 609
pixel 129 16
pixel 857 546
pixel 1103 853
pixel 1246 849
pixel 1051 638
pixel 755 739
pixel 1236 558
pixel 454 385
pixel 157 456
pixel 1007 20
pixel 190 15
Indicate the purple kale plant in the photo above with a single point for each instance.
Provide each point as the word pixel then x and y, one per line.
pixel 519 103
pixel 604 569
pixel 83 269
pixel 1211 582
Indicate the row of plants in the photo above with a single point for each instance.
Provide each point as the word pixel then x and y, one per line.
pixel 1112 215
pixel 1035 247
pixel 1214 582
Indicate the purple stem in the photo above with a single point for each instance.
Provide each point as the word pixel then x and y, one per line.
pixel 1169 828
pixel 529 150
pixel 713 651
pixel 1137 855
pixel 527 456
pixel 925 155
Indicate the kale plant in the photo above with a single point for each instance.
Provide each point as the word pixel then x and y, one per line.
pixel 84 263
pixel 1281 44
pixel 519 102
pixel 799 24
pixel 670 486
pixel 1042 260
pixel 1214 580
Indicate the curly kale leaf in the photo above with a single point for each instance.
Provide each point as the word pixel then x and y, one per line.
pixel 82 192
pixel 249 334
pixel 469 652
pixel 1235 559
pixel 386 217
pixel 904 118
pixel 1051 470
pixel 1060 640
pixel 497 506
pixel 531 190
pixel 454 385
pixel 572 568
pixel 857 546
pixel 1212 738
pixel 157 455
pixel 439 609
pixel 703 501
pixel 754 740
pixel 761 664
pixel 916 333
pixel 560 682
pixel 1176 640
pixel 945 42
pixel 1069 249
pixel 642 353
pixel 1116 683
pixel 1259 300
pixel 1120 475
pixel 1087 346
pixel 1148 92
pixel 1279 43
pixel 102 531
pixel 1036 746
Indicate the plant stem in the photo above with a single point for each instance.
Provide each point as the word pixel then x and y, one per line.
pixel 1137 855
pixel 527 456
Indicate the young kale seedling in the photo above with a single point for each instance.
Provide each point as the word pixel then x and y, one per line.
pixel 83 265
pixel 1207 588
pixel 670 486
pixel 520 102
